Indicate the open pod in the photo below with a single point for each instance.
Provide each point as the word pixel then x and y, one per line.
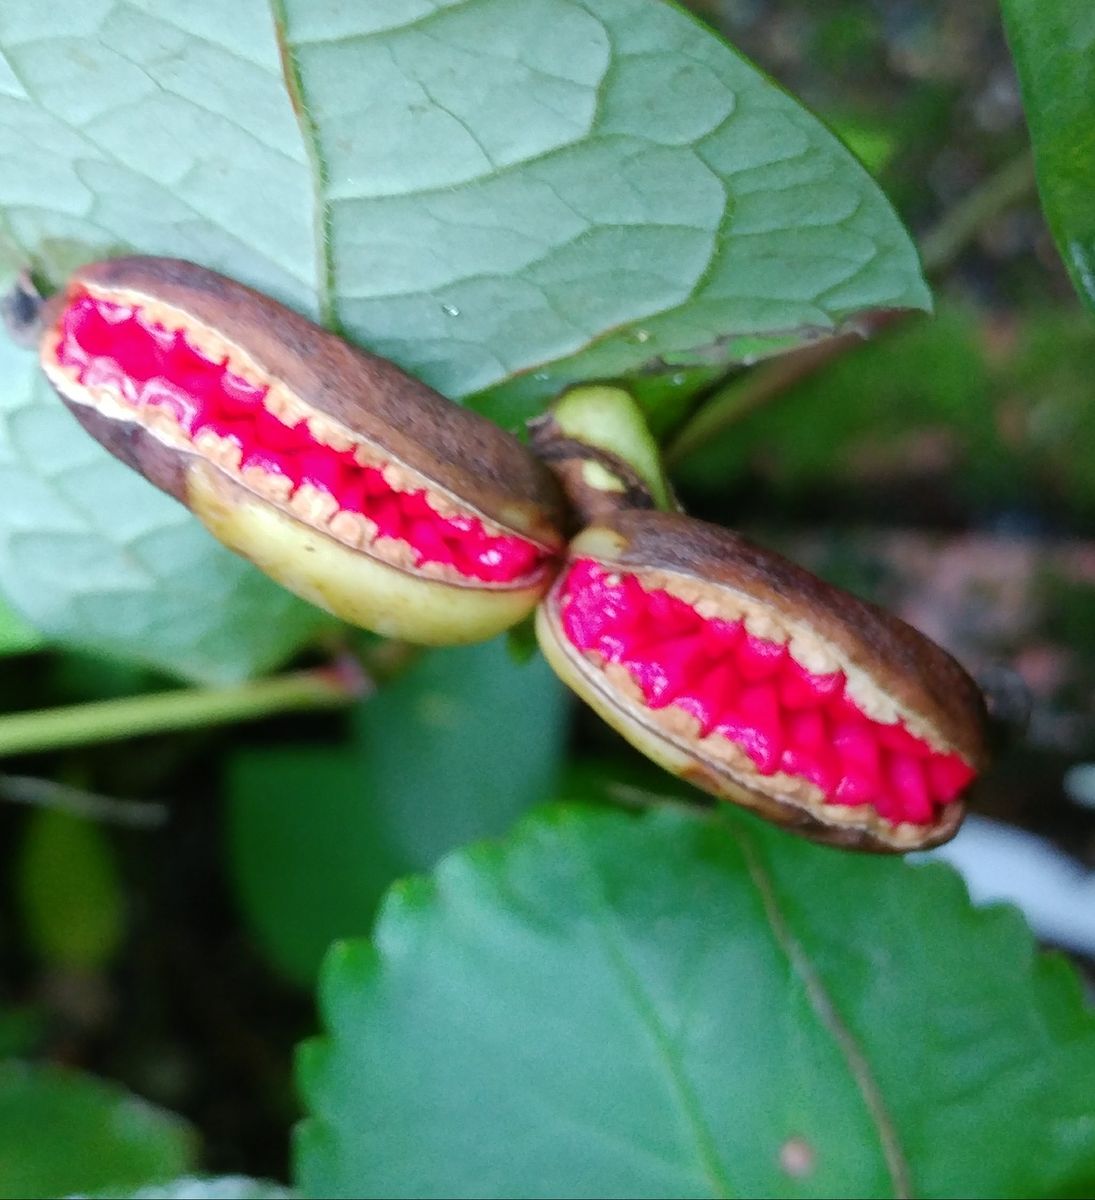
pixel 758 682
pixel 354 485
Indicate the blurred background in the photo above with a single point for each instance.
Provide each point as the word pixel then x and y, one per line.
pixel 166 901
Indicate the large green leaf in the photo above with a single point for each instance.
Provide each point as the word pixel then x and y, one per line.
pixel 676 1005
pixel 1053 42
pixel 562 189
pixel 63 1132
pixel 456 749
pixel 502 194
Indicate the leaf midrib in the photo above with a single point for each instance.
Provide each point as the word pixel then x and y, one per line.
pixel 323 231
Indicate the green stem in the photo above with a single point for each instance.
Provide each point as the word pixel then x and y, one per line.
pixel 60 797
pixel 734 400
pixel 728 404
pixel 169 712
pixel 1010 185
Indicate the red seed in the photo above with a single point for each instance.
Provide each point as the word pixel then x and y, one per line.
pixel 670 674
pixel 857 746
pixel 948 775
pixel 800 688
pixel 759 659
pixel 898 738
pixel 819 767
pixel 856 788
pixel 712 693
pixel 754 723
pixel 808 730
pixel 910 789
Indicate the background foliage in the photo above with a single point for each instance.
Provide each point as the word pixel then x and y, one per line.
pixel 505 196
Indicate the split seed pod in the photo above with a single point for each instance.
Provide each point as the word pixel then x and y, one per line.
pixel 351 483
pixel 758 682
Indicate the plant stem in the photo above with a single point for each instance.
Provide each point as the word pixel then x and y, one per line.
pixel 940 247
pixel 60 797
pixel 1010 185
pixel 734 400
pixel 169 712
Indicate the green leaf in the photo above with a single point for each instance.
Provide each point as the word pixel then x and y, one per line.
pixel 680 1006
pixel 154 128
pixel 1053 42
pixel 98 558
pixel 70 894
pixel 560 190
pixel 455 749
pixel 475 189
pixel 61 1131
pixel 208 1187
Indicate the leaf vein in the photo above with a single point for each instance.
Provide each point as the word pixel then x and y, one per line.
pixel 822 1002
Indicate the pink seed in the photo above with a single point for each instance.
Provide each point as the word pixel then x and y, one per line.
pixel 857 747
pixel 948 775
pixel 800 688
pixel 898 738
pixel 754 723
pixel 759 659
pixel 910 789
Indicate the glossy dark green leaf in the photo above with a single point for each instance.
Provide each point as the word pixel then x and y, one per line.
pixel 1053 43
pixel 679 1005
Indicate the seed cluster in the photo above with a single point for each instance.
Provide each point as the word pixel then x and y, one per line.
pixel 749 690
pixel 117 347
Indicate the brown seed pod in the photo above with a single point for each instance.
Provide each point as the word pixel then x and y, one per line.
pixel 345 479
pixel 758 682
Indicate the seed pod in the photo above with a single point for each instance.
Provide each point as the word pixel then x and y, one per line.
pixel 351 483
pixel 758 682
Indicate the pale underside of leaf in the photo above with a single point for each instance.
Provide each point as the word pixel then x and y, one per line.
pixel 548 190
pixel 150 128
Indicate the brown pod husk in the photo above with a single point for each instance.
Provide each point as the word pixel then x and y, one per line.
pixel 350 482
pixel 762 684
